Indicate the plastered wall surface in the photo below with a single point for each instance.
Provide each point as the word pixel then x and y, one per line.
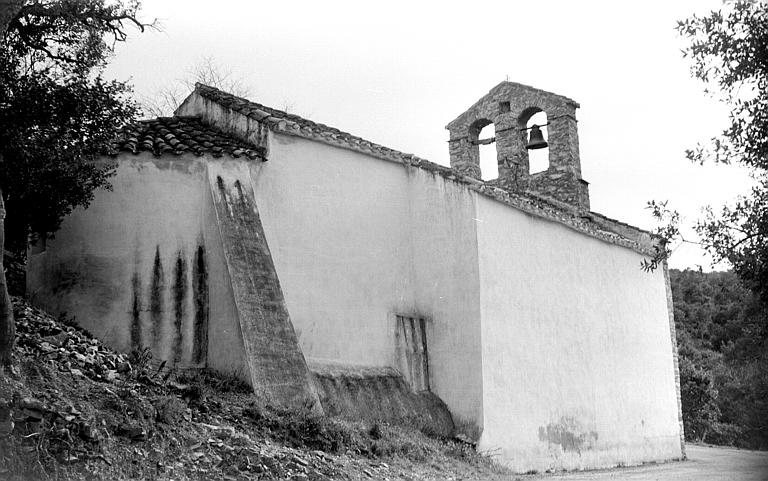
pixel 548 344
pixel 577 357
pixel 355 241
pixel 136 266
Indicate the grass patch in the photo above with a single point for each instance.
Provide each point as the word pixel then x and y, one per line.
pixel 303 428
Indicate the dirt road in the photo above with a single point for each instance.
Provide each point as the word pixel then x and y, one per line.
pixel 703 464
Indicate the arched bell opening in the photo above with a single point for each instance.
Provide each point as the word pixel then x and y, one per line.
pixel 482 135
pixel 536 140
pixel 489 166
pixel 547 164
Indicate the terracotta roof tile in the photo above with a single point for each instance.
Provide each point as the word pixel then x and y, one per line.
pixel 177 135
pixel 293 124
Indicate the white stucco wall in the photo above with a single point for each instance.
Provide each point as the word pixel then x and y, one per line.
pixel 156 205
pixel 357 240
pixel 552 346
pixel 577 356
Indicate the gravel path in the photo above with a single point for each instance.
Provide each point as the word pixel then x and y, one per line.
pixel 703 464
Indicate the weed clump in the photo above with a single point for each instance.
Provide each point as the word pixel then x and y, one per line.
pixel 304 428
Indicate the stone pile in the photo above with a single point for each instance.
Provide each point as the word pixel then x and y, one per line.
pixel 72 349
pixel 49 422
pixel 239 456
pixel 68 434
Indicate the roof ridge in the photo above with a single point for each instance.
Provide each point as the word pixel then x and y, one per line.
pixel 167 117
pixel 530 87
pixel 273 117
pixel 284 114
pixel 278 121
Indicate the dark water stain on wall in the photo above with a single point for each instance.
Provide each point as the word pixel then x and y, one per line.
pixel 179 298
pixel 135 330
pixel 240 195
pixel 200 298
pixel 220 185
pixel 156 289
pixel 569 434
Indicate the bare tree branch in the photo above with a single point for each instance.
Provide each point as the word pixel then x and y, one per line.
pixel 207 71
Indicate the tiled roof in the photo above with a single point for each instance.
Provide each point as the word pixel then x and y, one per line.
pixel 178 135
pixel 289 124
pixel 294 125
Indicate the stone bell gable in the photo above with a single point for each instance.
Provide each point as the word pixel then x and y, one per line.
pixel 509 106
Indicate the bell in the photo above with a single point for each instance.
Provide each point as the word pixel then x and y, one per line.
pixel 536 139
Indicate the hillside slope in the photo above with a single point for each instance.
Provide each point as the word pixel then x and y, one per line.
pixel 78 410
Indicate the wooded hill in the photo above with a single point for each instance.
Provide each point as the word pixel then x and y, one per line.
pixel 722 337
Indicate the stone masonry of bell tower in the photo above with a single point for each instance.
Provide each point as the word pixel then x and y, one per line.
pixel 509 106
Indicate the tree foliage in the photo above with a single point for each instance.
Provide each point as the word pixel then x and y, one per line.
pixel 57 113
pixel 722 338
pixel 722 318
pixel 74 36
pixel 701 412
pixel 729 54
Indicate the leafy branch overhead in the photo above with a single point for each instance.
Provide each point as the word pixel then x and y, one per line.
pixel 728 50
pixel 729 53
pixel 57 114
pixel 668 234
pixel 72 34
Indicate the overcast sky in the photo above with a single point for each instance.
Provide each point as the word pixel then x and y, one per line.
pixel 397 72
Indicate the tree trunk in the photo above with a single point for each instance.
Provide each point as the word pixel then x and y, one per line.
pixel 8 11
pixel 7 324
